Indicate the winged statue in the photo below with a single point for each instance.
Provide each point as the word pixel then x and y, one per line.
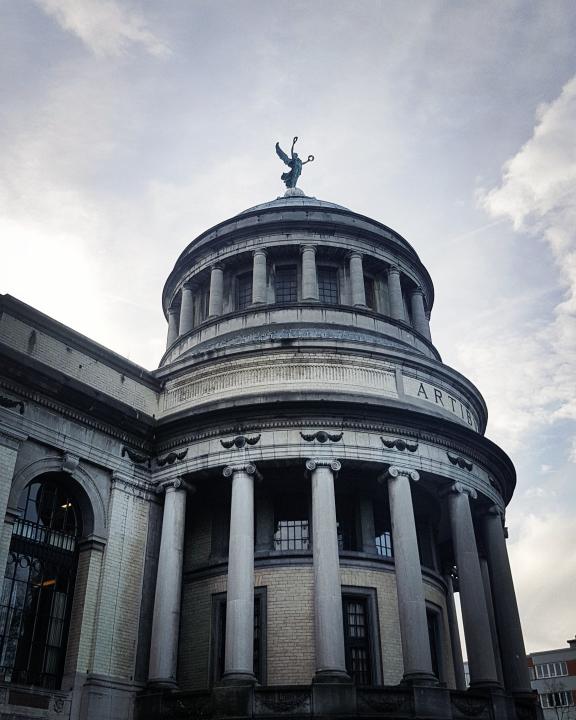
pixel 294 163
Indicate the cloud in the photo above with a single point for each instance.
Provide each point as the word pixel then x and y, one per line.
pixel 530 369
pixel 106 27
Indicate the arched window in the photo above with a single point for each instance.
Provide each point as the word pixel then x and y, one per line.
pixel 39 584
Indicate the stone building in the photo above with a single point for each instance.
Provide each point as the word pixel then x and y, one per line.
pixel 274 522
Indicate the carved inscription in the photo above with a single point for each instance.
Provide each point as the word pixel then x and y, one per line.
pixel 442 398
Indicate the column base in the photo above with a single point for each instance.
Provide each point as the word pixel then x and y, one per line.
pixel 417 679
pixel 331 677
pixel 162 684
pixel 486 686
pixel 238 678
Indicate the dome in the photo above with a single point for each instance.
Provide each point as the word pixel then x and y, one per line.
pixel 294 201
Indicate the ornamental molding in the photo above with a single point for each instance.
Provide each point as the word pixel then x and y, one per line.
pixel 331 463
pixel 322 436
pixel 171 458
pixel 70 463
pixel 7 402
pixel 458 460
pixel 240 441
pixel 130 486
pixel 400 444
pixel 282 701
pixel 136 458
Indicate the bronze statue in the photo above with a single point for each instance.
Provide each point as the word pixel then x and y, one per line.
pixel 293 162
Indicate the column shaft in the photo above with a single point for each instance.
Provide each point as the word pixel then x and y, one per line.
pixel 173 322
pixel 329 628
pixel 186 310
pixel 216 299
pixel 481 659
pixel 309 278
pixel 259 277
pixel 491 617
pixel 166 618
pixel 239 652
pixel 409 587
pixel 395 292
pixel 457 660
pixel 513 654
pixel 357 280
pixel 419 318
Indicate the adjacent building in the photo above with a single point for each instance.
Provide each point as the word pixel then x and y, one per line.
pixel 553 676
pixel 274 522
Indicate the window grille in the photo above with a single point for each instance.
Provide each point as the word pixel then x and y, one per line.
pixel 286 284
pixel 384 544
pixel 243 290
pixel 357 640
pixel 292 535
pixel 38 587
pixel 328 285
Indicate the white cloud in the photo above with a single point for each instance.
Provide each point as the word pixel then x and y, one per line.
pixel 107 27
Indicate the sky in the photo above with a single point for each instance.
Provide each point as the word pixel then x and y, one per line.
pixel 127 127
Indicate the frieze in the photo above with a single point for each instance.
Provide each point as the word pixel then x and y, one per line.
pixel 171 458
pixel 322 436
pixel 240 441
pixel 400 444
pixel 10 403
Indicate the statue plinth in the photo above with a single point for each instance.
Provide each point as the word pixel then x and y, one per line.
pixel 294 192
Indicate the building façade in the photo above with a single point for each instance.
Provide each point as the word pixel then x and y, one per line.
pixel 274 522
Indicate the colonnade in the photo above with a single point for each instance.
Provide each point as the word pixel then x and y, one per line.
pixel 180 320
pixel 329 632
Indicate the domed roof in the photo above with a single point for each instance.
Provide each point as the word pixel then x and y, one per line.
pixel 294 201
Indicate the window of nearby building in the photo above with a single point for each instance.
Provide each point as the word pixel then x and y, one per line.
pixel 219 635
pixel 243 290
pixel 361 637
pixel 561 698
pixel 369 292
pixel 291 528
pixel 38 585
pixel 286 284
pixel 328 285
pixel 550 670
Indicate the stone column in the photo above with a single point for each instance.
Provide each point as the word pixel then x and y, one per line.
pixel 367 528
pixel 457 660
pixel 515 670
pixel 216 299
pixel 259 277
pixel 357 280
pixel 166 618
pixel 481 658
pixel 173 321
pixel 239 652
pixel 329 628
pixel 395 292
pixel 186 310
pixel 309 278
pixel 491 617
pixel 419 318
pixel 409 587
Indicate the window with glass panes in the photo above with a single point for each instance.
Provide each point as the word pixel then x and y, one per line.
pixel 39 585
pixel 550 670
pixel 291 528
pixel 327 284
pixel 286 284
pixel 357 639
pixel 561 698
pixel 243 290
pixel 382 527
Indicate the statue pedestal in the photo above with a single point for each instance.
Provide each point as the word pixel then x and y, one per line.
pixel 294 192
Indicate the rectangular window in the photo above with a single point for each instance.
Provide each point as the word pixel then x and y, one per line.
pixel 562 698
pixel 357 640
pixel 550 670
pixel 243 290
pixel 291 527
pixel 286 284
pixel 328 285
pixel 219 635
pixel 382 526
pixel 369 292
pixel 384 544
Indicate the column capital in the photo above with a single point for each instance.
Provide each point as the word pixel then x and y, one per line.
pixel 260 251
pixel 176 483
pixel 217 266
pixel 354 253
pixel 174 310
pixel 190 285
pixel 393 269
pixel 313 463
pixel 458 488
pixel 248 468
pixel 305 248
pixel 395 471
pixel 417 291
